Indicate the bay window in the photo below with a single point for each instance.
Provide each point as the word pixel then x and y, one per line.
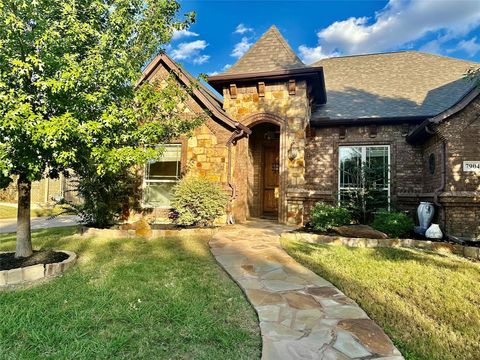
pixel 160 177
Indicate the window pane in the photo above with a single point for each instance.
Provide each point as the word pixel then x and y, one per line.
pixel 158 194
pixel 378 167
pixel 163 170
pixel 350 166
pixel 168 167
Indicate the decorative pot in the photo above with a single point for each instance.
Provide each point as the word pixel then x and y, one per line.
pixel 434 232
pixel 425 213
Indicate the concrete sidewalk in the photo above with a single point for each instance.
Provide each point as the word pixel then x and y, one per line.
pixel 10 225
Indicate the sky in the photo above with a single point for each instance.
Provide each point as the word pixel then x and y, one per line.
pixel 224 30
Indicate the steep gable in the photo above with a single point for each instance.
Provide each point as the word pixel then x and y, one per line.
pixel 271 52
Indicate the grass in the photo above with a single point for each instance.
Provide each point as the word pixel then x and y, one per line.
pixel 10 212
pixel 429 304
pixel 129 298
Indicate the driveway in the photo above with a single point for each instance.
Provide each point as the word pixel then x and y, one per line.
pixel 10 225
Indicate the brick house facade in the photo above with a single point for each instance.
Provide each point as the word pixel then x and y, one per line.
pixel 284 133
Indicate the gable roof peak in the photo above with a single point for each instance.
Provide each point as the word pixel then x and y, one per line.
pixel 271 52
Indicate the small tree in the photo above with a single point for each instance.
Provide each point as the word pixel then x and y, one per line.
pixel 67 90
pixel 368 196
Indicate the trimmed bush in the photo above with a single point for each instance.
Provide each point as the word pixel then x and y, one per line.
pixel 394 224
pixel 324 216
pixel 197 201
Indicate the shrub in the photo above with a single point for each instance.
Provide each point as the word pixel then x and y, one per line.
pixel 197 201
pixel 323 217
pixel 394 224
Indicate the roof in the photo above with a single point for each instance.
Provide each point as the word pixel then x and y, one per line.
pixel 271 52
pixel 422 131
pixel 200 92
pixel 272 58
pixel 407 84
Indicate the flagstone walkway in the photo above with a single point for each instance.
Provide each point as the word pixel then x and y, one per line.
pixel 302 316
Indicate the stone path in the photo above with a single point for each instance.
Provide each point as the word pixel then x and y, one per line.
pixel 302 316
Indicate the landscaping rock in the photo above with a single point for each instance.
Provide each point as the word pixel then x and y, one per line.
pixel 359 231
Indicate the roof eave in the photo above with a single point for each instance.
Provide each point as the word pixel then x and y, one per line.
pixel 318 121
pixel 163 58
pixel 314 73
pixel 421 133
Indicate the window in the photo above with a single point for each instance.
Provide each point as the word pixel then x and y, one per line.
pixel 362 167
pixel 161 176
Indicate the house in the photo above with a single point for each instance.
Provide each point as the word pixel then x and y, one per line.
pixel 286 135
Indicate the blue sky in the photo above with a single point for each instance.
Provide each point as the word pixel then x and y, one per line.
pixel 224 30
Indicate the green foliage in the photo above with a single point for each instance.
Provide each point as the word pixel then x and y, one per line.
pixel 197 201
pixel 394 224
pixel 369 197
pixel 324 216
pixel 68 93
pixel 104 196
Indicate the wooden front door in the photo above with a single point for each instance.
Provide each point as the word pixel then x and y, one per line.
pixel 271 172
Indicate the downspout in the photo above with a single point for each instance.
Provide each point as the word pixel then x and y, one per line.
pixel 443 175
pixel 237 134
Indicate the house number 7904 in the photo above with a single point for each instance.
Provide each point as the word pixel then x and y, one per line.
pixel 471 166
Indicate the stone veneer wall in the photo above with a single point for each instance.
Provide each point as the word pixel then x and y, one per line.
pixel 204 152
pixel 291 112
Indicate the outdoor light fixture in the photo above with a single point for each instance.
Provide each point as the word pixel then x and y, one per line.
pixel 293 151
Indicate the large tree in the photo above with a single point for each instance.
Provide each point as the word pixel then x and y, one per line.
pixel 67 89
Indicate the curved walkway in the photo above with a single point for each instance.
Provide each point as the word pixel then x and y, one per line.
pixel 302 316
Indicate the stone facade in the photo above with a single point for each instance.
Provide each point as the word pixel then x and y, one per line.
pixel 290 112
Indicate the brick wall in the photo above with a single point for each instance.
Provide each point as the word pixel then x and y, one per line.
pixel 321 161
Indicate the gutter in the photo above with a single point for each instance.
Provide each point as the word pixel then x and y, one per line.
pixel 443 177
pixel 237 134
pixel 327 121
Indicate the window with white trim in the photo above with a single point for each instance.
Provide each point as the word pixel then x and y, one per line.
pixel 364 166
pixel 161 175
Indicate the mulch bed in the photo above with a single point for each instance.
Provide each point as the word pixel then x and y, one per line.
pixel 8 260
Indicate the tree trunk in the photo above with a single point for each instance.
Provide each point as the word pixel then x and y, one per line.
pixel 24 236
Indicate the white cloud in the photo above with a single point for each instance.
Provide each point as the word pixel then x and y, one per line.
pixel 201 59
pixel 399 24
pixel 179 34
pixel 189 50
pixel 311 55
pixel 226 67
pixel 471 47
pixel 241 48
pixel 242 29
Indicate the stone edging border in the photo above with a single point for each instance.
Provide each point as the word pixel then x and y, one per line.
pixel 469 252
pixel 149 234
pixel 36 272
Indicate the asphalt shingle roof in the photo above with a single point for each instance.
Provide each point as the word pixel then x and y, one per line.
pixel 271 52
pixel 397 84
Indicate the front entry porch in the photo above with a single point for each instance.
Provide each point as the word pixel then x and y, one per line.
pixel 264 171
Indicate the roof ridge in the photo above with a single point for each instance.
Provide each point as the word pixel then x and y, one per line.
pixel 270 52
pixel 284 42
pixel 395 52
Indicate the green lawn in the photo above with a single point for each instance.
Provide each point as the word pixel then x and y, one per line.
pixel 10 212
pixel 126 299
pixel 428 303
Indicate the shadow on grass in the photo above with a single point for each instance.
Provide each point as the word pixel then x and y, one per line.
pixel 129 298
pixel 423 324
